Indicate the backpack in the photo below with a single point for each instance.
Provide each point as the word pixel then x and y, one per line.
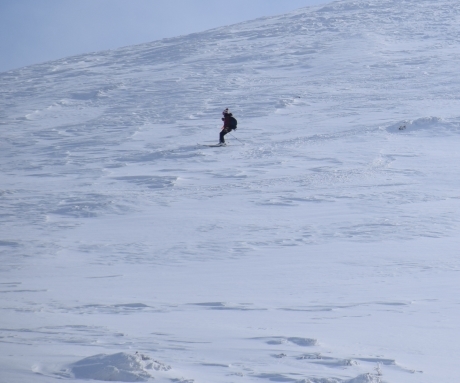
pixel 233 123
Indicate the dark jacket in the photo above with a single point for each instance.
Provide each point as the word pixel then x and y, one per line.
pixel 227 122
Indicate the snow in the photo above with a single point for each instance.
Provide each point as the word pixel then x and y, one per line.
pixel 120 367
pixel 321 246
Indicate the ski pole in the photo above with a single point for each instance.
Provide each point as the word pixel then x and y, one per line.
pixel 236 138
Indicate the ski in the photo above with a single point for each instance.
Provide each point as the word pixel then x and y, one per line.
pixel 213 146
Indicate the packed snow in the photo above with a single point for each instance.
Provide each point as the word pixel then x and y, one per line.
pixel 320 246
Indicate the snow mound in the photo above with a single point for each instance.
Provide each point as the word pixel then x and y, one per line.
pixel 365 378
pixel 303 341
pixel 418 124
pixel 120 367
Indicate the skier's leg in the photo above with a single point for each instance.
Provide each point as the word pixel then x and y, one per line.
pixel 221 136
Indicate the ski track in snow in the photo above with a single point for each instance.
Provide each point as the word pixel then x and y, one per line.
pixel 320 247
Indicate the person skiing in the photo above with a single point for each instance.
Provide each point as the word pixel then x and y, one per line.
pixel 229 125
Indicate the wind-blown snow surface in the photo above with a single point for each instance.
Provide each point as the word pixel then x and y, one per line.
pixel 321 247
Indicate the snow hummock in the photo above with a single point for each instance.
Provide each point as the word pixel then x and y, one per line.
pixel 433 123
pixel 365 378
pixel 119 367
pixel 320 245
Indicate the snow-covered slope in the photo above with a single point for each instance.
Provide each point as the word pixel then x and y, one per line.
pixel 321 246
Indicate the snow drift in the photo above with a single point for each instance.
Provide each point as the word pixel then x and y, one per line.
pixel 120 367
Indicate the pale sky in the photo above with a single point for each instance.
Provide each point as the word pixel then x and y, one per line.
pixel 34 31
